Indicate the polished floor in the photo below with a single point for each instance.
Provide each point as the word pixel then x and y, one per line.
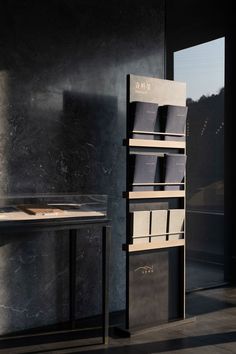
pixel 213 331
pixel 201 274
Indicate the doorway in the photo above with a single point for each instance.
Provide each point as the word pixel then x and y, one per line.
pixel 202 67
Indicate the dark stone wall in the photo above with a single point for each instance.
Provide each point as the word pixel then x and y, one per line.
pixel 63 67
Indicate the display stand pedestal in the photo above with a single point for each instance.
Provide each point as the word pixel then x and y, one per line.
pixel 128 333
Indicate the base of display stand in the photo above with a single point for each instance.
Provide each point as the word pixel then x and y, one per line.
pixel 124 332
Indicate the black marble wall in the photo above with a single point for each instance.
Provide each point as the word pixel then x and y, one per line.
pixel 63 67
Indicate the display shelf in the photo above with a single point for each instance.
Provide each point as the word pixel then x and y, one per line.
pixel 157 133
pixel 158 184
pixel 156 235
pixel 144 260
pixel 154 194
pixel 153 245
pixel 47 206
pixel 167 144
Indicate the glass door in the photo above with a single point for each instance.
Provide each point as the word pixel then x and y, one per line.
pixel 202 68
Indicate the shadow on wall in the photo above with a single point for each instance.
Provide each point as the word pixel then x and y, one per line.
pixel 66 147
pixel 35 264
pixel 89 123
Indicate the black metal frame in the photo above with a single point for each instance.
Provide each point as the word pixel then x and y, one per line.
pixel 71 224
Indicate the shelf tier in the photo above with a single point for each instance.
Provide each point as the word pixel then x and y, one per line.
pixel 156 133
pixel 157 184
pixel 153 245
pixel 166 233
pixel 168 144
pixel 154 194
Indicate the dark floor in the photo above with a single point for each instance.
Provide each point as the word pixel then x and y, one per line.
pixel 201 274
pixel 213 331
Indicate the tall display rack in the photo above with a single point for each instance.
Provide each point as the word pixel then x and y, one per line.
pixel 155 262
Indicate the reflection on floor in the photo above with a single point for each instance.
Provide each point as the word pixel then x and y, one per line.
pixel 202 274
pixel 214 331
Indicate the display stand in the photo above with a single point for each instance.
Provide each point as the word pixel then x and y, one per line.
pixel 155 269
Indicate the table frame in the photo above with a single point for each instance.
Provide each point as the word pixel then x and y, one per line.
pixel 72 225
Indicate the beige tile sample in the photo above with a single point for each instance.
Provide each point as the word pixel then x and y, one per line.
pixel 176 223
pixel 140 223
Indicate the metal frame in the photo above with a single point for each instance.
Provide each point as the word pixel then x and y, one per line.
pixel 72 225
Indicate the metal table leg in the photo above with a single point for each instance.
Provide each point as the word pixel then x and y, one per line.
pixel 106 239
pixel 72 276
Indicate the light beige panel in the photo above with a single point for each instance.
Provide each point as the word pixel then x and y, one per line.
pixel 153 245
pixel 176 223
pixel 155 194
pixel 157 143
pixel 158 222
pixel 158 238
pixel 140 222
pixel 163 92
pixel 140 240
